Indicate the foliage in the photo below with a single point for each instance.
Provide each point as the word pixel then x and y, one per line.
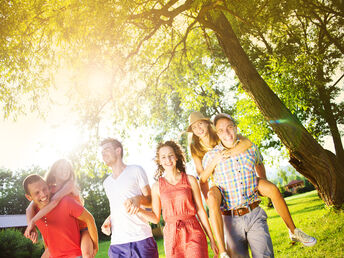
pixel 164 63
pixel 287 194
pixel 12 195
pixel 13 244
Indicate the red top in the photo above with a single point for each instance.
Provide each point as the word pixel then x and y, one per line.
pixel 60 229
pixel 82 225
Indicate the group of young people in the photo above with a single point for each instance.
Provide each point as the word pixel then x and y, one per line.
pixel 231 176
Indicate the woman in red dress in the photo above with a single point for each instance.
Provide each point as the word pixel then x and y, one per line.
pixel 179 197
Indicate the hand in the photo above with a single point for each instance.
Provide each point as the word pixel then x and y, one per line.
pixel 214 247
pixel 132 205
pixel 95 249
pixel 106 227
pixel 226 153
pixel 218 158
pixel 31 232
pixel 33 236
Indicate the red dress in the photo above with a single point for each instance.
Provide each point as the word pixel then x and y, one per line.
pixel 183 234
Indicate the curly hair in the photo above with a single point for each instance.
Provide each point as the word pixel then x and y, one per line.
pixel 178 151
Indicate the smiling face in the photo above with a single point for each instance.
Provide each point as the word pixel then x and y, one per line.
pixel 200 128
pixel 110 154
pixel 227 132
pixel 63 172
pixel 39 193
pixel 167 158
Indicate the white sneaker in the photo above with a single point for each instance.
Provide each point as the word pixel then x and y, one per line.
pixel 302 237
pixel 223 255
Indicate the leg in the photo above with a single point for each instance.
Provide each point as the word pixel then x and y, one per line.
pixel 268 189
pixel 146 248
pixel 119 251
pixel 204 189
pixel 214 202
pixel 258 235
pixel 235 235
pixel 86 244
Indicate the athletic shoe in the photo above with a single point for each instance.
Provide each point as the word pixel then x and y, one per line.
pixel 300 236
pixel 223 255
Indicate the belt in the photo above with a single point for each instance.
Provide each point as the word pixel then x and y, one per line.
pixel 241 211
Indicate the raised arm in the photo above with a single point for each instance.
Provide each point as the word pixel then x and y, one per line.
pixel 92 228
pixel 201 214
pixel 154 215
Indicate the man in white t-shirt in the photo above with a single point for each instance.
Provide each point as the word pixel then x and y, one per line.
pixel 126 188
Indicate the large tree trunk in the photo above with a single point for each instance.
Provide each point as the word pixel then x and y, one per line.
pixel 320 166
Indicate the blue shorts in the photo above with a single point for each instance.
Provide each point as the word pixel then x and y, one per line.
pixel 146 248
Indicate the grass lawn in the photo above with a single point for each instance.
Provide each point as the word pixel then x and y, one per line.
pixel 310 215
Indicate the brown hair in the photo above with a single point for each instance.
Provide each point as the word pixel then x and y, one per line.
pixel 115 144
pixel 177 149
pixel 50 176
pixel 30 179
pixel 196 147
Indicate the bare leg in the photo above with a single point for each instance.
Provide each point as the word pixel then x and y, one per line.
pixel 86 244
pixel 268 189
pixel 214 202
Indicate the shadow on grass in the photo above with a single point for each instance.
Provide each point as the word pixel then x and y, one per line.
pixel 304 210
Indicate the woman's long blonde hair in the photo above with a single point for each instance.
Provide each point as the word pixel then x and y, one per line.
pixel 196 148
pixel 50 176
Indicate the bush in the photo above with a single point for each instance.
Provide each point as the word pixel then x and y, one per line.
pixel 266 201
pixel 305 189
pixel 287 194
pixel 14 244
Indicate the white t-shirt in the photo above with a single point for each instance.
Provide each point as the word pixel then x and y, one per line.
pixel 126 228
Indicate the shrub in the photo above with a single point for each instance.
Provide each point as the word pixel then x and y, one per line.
pixel 266 201
pixel 287 194
pixel 14 244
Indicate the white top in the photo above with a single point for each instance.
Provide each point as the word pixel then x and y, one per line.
pixel 126 228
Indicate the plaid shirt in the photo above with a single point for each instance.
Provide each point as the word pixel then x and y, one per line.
pixel 235 177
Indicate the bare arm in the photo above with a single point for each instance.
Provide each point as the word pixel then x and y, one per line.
pixel 201 214
pixel 133 204
pixel 106 227
pixel 209 170
pixel 30 231
pixel 66 189
pixel 260 170
pixel 154 215
pixel 243 145
pixel 92 228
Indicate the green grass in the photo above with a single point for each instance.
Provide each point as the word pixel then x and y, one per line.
pixel 310 215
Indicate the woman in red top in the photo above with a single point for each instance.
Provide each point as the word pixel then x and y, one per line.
pixel 179 197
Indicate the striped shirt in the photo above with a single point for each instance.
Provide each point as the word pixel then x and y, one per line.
pixel 235 177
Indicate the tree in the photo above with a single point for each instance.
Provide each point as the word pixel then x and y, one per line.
pixel 159 31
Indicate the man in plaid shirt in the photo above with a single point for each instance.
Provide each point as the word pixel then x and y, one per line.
pixel 235 176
